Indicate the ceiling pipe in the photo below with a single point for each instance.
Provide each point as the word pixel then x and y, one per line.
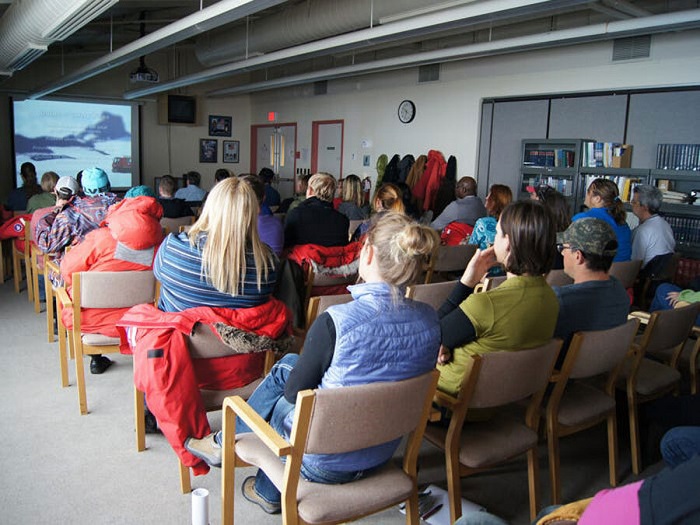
pixel 218 14
pixel 681 20
pixel 458 17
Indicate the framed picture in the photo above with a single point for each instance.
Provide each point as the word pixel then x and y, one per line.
pixel 219 126
pixel 208 150
pixel 231 148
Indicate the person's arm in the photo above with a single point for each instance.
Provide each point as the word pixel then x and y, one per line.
pixel 314 360
pixel 445 218
pixel 290 228
pixel 79 259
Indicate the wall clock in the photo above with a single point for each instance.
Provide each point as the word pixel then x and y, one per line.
pixel 407 111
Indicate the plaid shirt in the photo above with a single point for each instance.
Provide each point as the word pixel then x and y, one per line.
pixel 59 229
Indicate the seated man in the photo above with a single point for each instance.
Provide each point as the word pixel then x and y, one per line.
pixel 128 242
pixel 596 301
pixel 653 237
pixel 314 221
pixel 173 208
pixel 191 192
pixel 465 209
pixel 47 197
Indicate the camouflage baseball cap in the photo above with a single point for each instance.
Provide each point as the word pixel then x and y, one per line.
pixel 592 236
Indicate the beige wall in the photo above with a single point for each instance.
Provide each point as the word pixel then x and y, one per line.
pixel 448 111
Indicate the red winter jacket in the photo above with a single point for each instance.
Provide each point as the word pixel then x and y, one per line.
pixel 135 224
pixel 428 185
pixel 14 229
pixel 171 380
pixel 333 261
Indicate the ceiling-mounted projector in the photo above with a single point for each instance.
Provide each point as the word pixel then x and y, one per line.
pixel 143 73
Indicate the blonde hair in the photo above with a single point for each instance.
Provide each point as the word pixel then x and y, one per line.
pixel 323 186
pixel 402 247
pixel 389 197
pixel 230 221
pixel 352 190
pixel 48 181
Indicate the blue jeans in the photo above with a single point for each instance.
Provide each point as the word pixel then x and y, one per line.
pixel 680 444
pixel 485 518
pixel 269 402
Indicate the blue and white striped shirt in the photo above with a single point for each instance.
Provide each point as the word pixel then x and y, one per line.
pixel 178 267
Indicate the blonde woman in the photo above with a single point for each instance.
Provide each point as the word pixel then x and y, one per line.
pixel 352 206
pixel 389 197
pixel 221 261
pixel 378 336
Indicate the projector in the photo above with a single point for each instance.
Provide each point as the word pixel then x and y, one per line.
pixel 144 76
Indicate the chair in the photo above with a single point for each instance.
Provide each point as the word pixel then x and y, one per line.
pixel 558 278
pixel 354 223
pixel 314 280
pixel 5 259
pixel 23 256
pixel 576 405
pixel 103 290
pixel 626 272
pixel 37 269
pixel 320 303
pixel 661 268
pixel 433 294
pixel 174 225
pixel 644 379
pixel 329 421
pixel 449 259
pixel 492 380
pixel 203 344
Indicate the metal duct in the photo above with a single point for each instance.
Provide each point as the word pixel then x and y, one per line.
pixel 27 28
pixel 301 23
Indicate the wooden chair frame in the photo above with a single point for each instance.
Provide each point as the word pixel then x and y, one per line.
pixel 20 257
pixel 294 449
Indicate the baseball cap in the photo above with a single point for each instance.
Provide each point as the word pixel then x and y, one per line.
pixel 95 181
pixel 591 236
pixel 67 187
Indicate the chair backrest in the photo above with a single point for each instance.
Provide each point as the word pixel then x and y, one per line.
pixel 354 223
pixel 433 294
pixel 320 303
pixel 114 289
pixel 173 225
pixel 493 282
pixel 669 328
pixel 558 278
pixel 370 414
pixel 509 376
pixel 597 352
pixel 453 258
pixel 203 343
pixel 626 271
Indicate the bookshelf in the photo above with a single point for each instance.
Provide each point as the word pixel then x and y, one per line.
pixel 684 218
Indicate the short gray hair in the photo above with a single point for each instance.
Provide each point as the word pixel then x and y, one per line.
pixel 649 197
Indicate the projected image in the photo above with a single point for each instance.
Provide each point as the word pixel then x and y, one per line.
pixel 67 137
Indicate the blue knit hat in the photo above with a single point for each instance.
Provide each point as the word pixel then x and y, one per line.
pixel 140 191
pixel 95 181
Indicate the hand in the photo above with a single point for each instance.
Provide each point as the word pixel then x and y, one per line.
pixel 672 298
pixel 60 203
pixel 444 355
pixel 478 266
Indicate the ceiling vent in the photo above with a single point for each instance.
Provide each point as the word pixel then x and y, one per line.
pixel 631 48
pixel 429 73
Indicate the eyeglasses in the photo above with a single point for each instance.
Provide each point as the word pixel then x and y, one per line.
pixel 561 247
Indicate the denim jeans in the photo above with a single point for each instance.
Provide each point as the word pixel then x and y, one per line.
pixel 680 444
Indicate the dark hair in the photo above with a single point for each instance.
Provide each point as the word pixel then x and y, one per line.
pixel 598 263
pixel 610 195
pixel 221 174
pixel 530 229
pixel 558 205
pixel 257 184
pixel 266 174
pixel 193 178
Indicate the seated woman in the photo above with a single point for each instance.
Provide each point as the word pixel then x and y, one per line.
pixel 521 313
pixel 484 233
pixel 219 274
pixel 352 206
pixel 388 198
pixel 603 202
pixel 379 336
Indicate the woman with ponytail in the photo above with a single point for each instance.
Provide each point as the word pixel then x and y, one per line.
pixel 603 202
pixel 378 336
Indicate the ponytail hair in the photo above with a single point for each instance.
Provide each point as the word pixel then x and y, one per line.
pixel 402 247
pixel 610 195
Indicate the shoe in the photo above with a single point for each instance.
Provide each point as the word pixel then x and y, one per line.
pixel 99 364
pixel 206 449
pixel 248 490
pixel 151 425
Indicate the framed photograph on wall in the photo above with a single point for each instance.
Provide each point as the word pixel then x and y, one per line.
pixel 208 150
pixel 219 126
pixel 231 148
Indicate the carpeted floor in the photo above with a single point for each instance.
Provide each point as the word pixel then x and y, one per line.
pixel 60 467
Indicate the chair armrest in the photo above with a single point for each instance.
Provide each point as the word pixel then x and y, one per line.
pixel 62 296
pixel 445 400
pixel 556 375
pixel 50 264
pixel 642 316
pixel 259 426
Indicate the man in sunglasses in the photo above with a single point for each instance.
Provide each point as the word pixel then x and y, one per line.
pixel 596 301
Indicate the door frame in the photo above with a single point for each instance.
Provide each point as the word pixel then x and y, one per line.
pixel 314 143
pixel 254 143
